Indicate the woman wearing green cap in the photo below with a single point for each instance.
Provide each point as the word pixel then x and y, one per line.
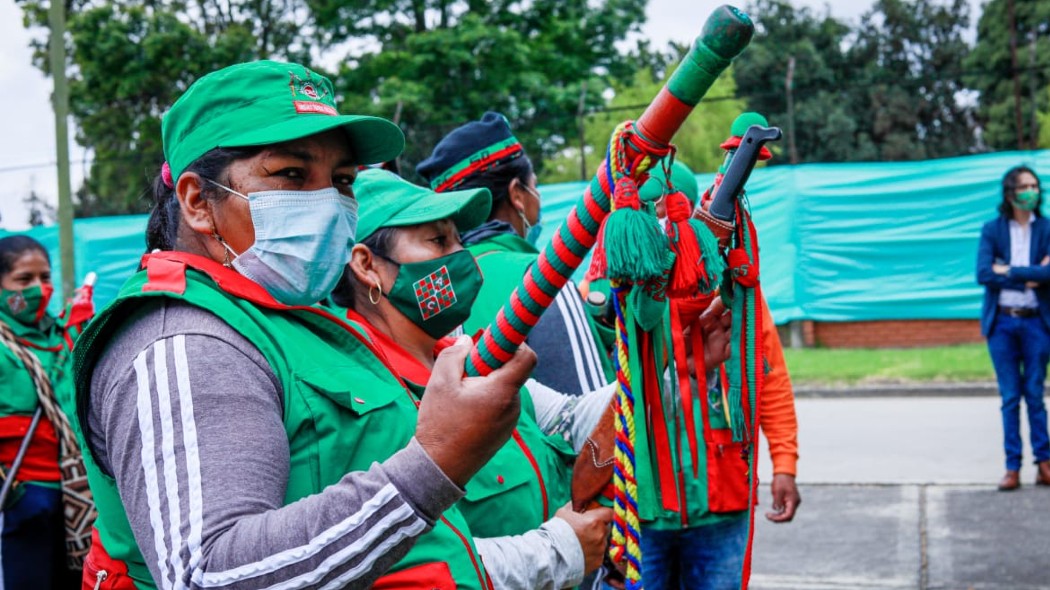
pixel 409 283
pixel 238 437
pixel 35 367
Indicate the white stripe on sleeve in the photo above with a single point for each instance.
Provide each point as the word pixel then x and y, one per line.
pixel 149 466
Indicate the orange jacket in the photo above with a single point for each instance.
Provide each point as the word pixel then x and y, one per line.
pixel 776 416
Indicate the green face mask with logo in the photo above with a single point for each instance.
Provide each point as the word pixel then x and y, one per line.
pixel 437 294
pixel 1026 200
pixel 26 306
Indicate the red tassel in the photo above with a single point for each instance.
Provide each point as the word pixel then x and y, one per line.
pixel 599 264
pixel 688 264
pixel 741 268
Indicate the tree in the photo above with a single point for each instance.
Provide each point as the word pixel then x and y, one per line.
pixel 991 71
pixel 697 141
pixel 129 61
pixel 888 90
pixel 909 56
pixel 825 127
pixel 40 211
pixel 439 63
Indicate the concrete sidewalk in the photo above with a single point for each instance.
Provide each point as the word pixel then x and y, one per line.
pixel 900 493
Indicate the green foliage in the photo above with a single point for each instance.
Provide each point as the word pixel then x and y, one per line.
pixel 885 91
pixel 129 61
pixel 992 70
pixel 697 141
pixel 967 362
pixel 440 64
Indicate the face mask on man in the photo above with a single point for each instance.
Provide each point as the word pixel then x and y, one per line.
pixel 436 294
pixel 28 305
pixel 532 230
pixel 302 242
pixel 1027 200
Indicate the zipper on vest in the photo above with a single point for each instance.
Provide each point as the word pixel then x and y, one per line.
pixel 536 468
pixel 99 578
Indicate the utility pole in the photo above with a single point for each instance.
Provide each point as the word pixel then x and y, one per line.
pixel 1033 140
pixel 60 103
pixel 580 112
pixel 1012 17
pixel 789 90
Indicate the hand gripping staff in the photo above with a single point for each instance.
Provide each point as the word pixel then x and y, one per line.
pixel 725 34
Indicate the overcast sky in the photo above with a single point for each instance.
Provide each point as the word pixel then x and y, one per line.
pixel 27 152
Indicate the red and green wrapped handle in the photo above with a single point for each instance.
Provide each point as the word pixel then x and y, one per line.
pixel 724 36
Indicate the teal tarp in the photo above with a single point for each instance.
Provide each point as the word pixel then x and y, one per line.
pixel 839 242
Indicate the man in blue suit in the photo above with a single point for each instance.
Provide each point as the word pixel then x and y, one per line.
pixel 1013 264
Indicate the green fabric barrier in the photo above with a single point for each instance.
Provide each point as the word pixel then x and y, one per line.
pixel 839 242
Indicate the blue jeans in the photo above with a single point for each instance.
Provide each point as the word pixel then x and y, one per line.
pixel 709 557
pixel 1020 350
pixel 32 545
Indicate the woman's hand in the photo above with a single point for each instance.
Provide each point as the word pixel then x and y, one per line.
pixel 592 530
pixel 1001 269
pixel 463 421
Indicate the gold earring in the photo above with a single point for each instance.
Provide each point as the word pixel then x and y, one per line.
pixel 226 251
pixel 379 286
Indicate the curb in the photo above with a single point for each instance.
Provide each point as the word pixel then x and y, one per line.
pixel 939 389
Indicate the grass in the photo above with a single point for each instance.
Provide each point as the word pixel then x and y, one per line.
pixel 966 362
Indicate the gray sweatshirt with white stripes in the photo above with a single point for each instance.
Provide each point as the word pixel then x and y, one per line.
pixel 186 415
pixel 179 382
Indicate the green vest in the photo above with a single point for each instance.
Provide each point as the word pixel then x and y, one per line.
pixel 48 344
pixel 337 397
pixel 524 483
pixel 503 260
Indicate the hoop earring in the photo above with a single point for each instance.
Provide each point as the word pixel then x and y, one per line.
pixel 226 249
pixel 379 287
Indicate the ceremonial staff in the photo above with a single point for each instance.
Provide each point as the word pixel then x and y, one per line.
pixel 725 34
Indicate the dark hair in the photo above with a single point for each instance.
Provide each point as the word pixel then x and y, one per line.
pixel 162 229
pixel 14 247
pixel 1006 207
pixel 380 243
pixel 498 179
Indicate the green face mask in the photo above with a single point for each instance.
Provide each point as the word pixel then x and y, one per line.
pixel 28 305
pixel 437 294
pixel 1026 200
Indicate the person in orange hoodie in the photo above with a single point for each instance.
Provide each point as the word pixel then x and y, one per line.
pixel 704 543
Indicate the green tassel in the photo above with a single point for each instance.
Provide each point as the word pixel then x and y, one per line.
pixel 635 246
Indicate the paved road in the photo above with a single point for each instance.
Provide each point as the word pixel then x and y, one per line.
pixel 898 493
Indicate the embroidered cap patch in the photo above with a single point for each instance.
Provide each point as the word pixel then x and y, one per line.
pixel 434 293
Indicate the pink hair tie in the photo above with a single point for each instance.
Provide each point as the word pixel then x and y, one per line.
pixel 165 175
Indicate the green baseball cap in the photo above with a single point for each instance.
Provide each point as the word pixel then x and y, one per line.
pixel 262 103
pixel 682 178
pixel 387 200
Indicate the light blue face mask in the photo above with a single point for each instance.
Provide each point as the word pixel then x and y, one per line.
pixel 302 242
pixel 532 230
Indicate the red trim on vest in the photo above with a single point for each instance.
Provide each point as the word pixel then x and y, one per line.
pixel 27 343
pixel 41 459
pixel 165 275
pixel 98 560
pixel 535 467
pixel 429 576
pixel 236 284
pixel 485 582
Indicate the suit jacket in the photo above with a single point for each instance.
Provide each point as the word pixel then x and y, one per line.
pixel 995 245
